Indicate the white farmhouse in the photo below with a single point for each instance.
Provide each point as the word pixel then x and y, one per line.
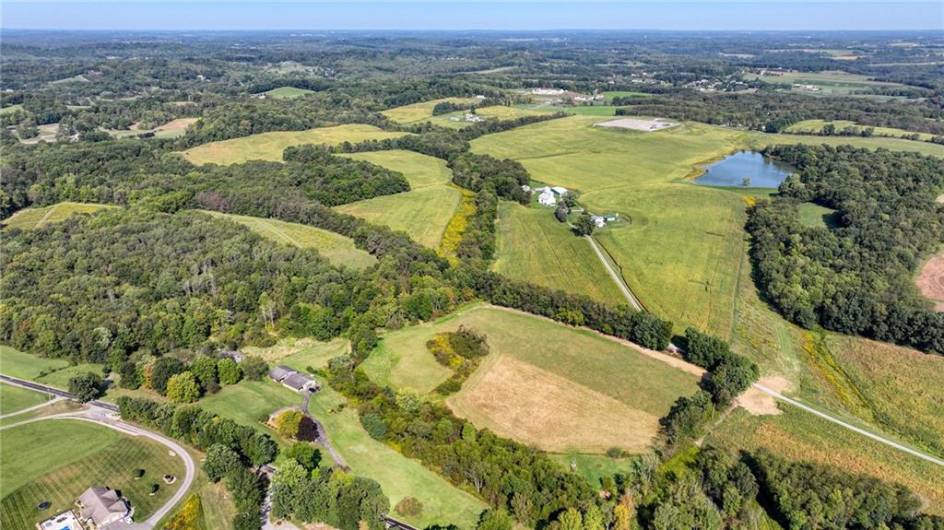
pixel 547 197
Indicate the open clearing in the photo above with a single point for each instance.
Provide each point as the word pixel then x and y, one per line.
pixel 827 83
pixel 32 218
pixel 72 456
pixel 600 367
pixel 533 246
pixel 301 353
pixel 423 214
pixel 816 126
pixel 931 281
pixel 14 398
pixel 27 366
pixel 174 128
pixel 523 402
pixel 337 249
pixel 250 402
pixel 418 112
pixel 269 145
pixel 399 476
pixel 420 170
pixel 286 92
pixel 638 124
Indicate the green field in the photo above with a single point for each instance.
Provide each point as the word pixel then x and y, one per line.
pixel 591 110
pixel 25 365
pixel 269 145
pixel 496 112
pixel 759 140
pixel 420 170
pixel 814 215
pixel 609 95
pixel 398 476
pixel 336 248
pixel 422 111
pixel 286 92
pixel 60 378
pixel 14 398
pixel 11 109
pixel 70 457
pixel 32 218
pixel 250 402
pixel 827 83
pixel 538 368
pixel 533 246
pixel 317 354
pixel 816 126
pixel 423 214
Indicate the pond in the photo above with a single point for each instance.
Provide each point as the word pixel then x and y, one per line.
pixel 747 169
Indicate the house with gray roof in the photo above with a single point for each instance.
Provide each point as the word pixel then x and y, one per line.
pixel 100 507
pixel 293 379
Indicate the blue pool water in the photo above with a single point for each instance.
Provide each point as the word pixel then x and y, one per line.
pixel 748 169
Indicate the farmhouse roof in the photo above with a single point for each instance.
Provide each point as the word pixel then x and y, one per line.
pixel 298 381
pixel 560 190
pixel 281 372
pixel 101 505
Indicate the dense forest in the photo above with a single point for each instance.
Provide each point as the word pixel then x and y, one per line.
pixel 855 277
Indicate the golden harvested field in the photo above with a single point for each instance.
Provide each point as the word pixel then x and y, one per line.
pixel 534 406
pixel 269 145
pixel 420 170
pixel 423 214
pixel 336 248
pixel 32 218
pixel 931 281
pixel 418 112
pixel 174 128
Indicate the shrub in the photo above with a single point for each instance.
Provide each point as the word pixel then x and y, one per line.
pixel 183 388
pixel 409 507
pixel 288 422
pixel 230 373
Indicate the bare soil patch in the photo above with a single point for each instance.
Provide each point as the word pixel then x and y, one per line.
pixel 931 281
pixel 177 125
pixel 940 199
pixel 759 403
pixel 533 406
pixel 638 124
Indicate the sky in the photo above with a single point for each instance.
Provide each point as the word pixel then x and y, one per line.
pixel 473 15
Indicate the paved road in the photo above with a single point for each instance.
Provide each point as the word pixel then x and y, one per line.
pixel 630 297
pixel 106 414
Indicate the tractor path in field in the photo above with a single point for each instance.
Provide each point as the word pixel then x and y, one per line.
pixel 630 297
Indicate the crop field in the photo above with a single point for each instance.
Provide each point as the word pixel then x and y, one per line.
pixel 798 435
pixel 250 402
pixel 680 239
pixel 286 92
pixel 540 354
pixel 398 476
pixel 816 126
pixel 418 112
pixel 269 145
pixel 32 218
pixel 533 246
pixel 14 398
pixel 420 170
pixel 72 456
pixel 423 214
pixel 337 249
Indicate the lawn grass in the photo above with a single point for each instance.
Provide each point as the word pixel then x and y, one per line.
pixel 420 170
pixel 14 398
pixel 423 214
pixel 316 354
pixel 31 218
pixel 250 402
pixel 816 216
pixel 422 111
pixel 399 476
pixel 592 467
pixel 286 92
pixel 337 249
pixel 72 456
pixel 26 365
pixel 60 378
pixel 269 145
pixel 533 246
pixel 816 126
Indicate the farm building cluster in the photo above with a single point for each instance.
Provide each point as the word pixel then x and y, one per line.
pixel 549 195
pixel 96 509
pixel 293 379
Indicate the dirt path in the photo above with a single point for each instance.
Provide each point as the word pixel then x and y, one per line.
pixel 46 403
pixel 630 297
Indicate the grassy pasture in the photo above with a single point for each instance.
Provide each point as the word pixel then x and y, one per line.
pixel 541 355
pixel 72 456
pixel 591 110
pixel 420 170
pixel 759 140
pixel 816 126
pixel 31 218
pixel 269 145
pixel 423 214
pixel 814 215
pixel 25 365
pixel 250 402
pixel 300 353
pixel 398 476
pixel 534 246
pixel 418 112
pixel 827 83
pixel 14 398
pixel 286 92
pixel 336 248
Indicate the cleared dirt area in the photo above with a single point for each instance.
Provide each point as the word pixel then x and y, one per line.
pixel 940 199
pixel 638 124
pixel 759 403
pixel 537 407
pixel 931 281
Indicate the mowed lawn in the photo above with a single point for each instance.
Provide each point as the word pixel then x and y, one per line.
pixel 533 246
pixel 286 92
pixel 336 248
pixel 25 365
pixel 269 145
pixel 56 460
pixel 14 398
pixel 31 218
pixel 399 476
pixel 539 377
pixel 250 402
pixel 423 212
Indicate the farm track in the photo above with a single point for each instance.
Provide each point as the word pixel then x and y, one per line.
pixel 630 297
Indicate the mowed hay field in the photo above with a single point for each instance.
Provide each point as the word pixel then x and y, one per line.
pixel 422 111
pixel 31 218
pixel 398 475
pixel 336 248
pixel 56 460
pixel 816 126
pixel 27 366
pixel 680 250
pixel 530 356
pixel 269 145
pixel 14 398
pixel 533 246
pixel 423 212
pixel 286 92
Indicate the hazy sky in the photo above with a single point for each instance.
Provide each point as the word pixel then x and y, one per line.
pixel 447 14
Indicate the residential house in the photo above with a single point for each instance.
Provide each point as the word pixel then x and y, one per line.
pixel 293 379
pixel 100 506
